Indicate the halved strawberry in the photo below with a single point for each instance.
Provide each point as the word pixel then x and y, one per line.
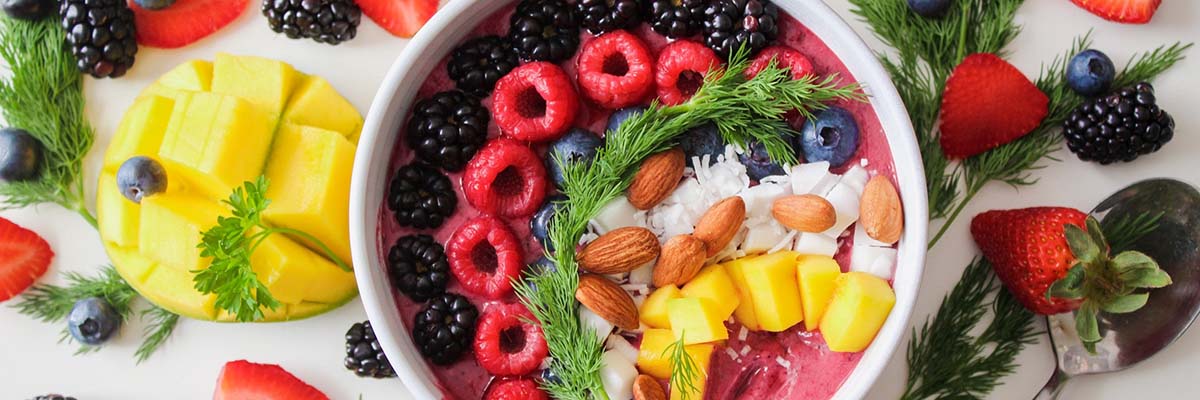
pixel 244 380
pixel 400 17
pixel 988 103
pixel 1123 11
pixel 24 257
pixel 184 22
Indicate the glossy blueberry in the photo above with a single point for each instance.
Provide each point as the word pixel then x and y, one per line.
pixel 539 225
pixel 141 176
pixel 20 155
pixel 28 9
pixel 154 4
pixel 832 136
pixel 758 163
pixel 540 266
pixel 549 376
pixel 1090 73
pixel 578 145
pixel 92 321
pixel 930 8
pixel 701 141
pixel 619 116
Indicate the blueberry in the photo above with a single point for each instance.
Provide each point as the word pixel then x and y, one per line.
pixel 549 376
pixel 758 163
pixel 154 4
pixel 541 266
pixel 20 155
pixel 578 145
pixel 92 321
pixel 539 225
pixel 619 116
pixel 141 176
pixel 832 137
pixel 28 9
pixel 930 8
pixel 701 141
pixel 1090 73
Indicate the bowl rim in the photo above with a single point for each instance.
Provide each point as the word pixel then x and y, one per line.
pixel 389 109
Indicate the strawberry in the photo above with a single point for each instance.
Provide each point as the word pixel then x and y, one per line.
pixel 184 22
pixel 24 257
pixel 400 17
pixel 987 103
pixel 1123 11
pixel 243 380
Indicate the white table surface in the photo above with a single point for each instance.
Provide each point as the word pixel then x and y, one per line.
pixel 32 363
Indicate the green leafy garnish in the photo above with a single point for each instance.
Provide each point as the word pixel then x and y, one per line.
pixel 684 369
pixel 157 330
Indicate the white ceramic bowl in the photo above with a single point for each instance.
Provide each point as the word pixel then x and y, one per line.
pixel 451 24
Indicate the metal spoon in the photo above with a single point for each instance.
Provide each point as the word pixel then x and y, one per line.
pixel 1132 338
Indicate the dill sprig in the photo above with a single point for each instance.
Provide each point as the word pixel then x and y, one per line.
pixel 684 369
pixel 43 94
pixel 160 323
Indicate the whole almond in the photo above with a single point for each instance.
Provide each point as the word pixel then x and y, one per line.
pixel 680 261
pixel 606 299
pixel 618 251
pixel 720 224
pixel 645 387
pixel 880 211
pixel 656 179
pixel 804 213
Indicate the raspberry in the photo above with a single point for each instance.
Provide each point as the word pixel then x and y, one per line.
pixel 616 70
pixel 508 341
pixel 535 102
pixel 485 256
pixel 506 178
pixel 785 57
pixel 680 70
pixel 515 389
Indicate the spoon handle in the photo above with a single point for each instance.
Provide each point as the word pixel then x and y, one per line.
pixel 1053 386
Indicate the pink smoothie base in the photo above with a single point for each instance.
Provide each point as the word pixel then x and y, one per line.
pixel 813 372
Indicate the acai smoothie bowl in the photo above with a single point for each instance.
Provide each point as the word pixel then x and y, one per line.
pixel 633 199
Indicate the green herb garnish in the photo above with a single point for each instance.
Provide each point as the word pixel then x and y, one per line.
pixel 684 369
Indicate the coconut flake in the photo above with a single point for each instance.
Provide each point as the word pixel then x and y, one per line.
pixel 782 362
pixel 743 334
pixel 745 350
pixel 733 355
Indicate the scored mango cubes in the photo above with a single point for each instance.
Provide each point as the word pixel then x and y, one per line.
pixel 697 320
pixel 817 276
pixel 861 303
pixel 141 130
pixel 316 103
pixel 654 310
pixel 265 83
pixel 309 174
pixel 171 227
pixel 119 218
pixel 217 142
pixel 771 281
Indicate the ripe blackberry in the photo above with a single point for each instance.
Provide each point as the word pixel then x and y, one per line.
pixel 101 35
pixel 1122 126
pixel 544 30
pixel 601 16
pixel 418 267
pixel 728 24
pixel 53 397
pixel 444 329
pixel 364 356
pixel 447 129
pixel 676 18
pixel 421 197
pixel 325 21
pixel 477 64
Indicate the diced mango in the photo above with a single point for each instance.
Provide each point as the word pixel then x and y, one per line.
pixel 655 360
pixel 697 320
pixel 141 130
pixel 174 290
pixel 775 293
pixel 118 217
pixel 171 227
pixel 132 266
pixel 195 75
pixel 861 303
pixel 331 284
pixel 285 268
pixel 817 276
pixel 701 354
pixel 654 309
pixel 309 172
pixel 744 313
pixel 713 283
pixel 216 142
pixel 265 83
pixel 317 103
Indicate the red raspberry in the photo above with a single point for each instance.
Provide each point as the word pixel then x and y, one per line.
pixel 616 70
pixel 785 57
pixel 505 178
pixel 508 341
pixel 522 388
pixel 485 256
pixel 680 70
pixel 535 102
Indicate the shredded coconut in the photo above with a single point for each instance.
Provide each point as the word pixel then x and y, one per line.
pixel 733 355
pixel 746 350
pixel 782 362
pixel 743 334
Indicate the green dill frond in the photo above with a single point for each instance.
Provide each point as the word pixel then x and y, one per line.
pixel 684 370
pixel 51 303
pixel 159 325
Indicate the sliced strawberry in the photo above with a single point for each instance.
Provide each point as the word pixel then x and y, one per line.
pixel 1123 11
pixel 184 22
pixel 988 103
pixel 244 380
pixel 400 17
pixel 24 257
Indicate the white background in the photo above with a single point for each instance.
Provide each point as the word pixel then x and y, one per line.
pixel 31 362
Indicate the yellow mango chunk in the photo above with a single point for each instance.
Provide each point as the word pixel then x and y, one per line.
pixel 697 320
pixel 265 83
pixel 284 267
pixel 701 354
pixel 216 142
pixel 194 76
pixel 776 295
pixel 817 276
pixel 713 283
pixel 652 358
pixel 316 103
pixel 332 285
pixel 171 227
pixel 172 289
pixel 309 172
pixel 141 130
pixel 130 264
pixel 744 313
pixel 117 216
pixel 861 303
pixel 654 310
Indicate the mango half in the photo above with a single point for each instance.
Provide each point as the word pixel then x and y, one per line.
pixel 214 125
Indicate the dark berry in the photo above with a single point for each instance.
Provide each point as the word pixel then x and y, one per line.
pixel 20 155
pixel 703 140
pixel 29 10
pixel 444 329
pixel 1119 127
pixel 758 163
pixel 325 21
pixel 1090 73
pixel 92 321
pixel 539 267
pixel 832 136
pixel 615 70
pixel 477 64
pixel 930 8
pixel 140 177
pixel 101 35
pixel 676 19
pixel 731 24
pixel 539 225
pixel 618 117
pixel 549 376
pixel 447 129
pixel 601 16
pixel 421 197
pixel 418 267
pixel 53 397
pixel 544 30
pixel 154 4
pixel 364 355
pixel 577 146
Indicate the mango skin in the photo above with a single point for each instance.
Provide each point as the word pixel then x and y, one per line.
pixel 861 303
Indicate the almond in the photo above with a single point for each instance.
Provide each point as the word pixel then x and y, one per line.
pixel 680 261
pixel 606 299
pixel 656 179
pixel 880 211
pixel 645 387
pixel 804 213
pixel 720 224
pixel 618 251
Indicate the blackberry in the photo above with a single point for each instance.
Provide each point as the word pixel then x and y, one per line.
pixel 447 129
pixel 477 64
pixel 676 18
pixel 1122 126
pixel 325 21
pixel 421 197
pixel 53 397
pixel 364 356
pixel 101 35
pixel 444 329
pixel 544 30
pixel 730 24
pixel 418 267
pixel 601 16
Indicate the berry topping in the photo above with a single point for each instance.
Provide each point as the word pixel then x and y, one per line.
pixel 785 57
pixel 601 16
pixel 101 35
pixel 185 22
pixel 544 30
pixel 758 163
pixel 1123 11
pixel 140 177
pixel 1090 73
pixel 24 257
pixel 509 342
pixel 421 197
pixel 577 146
pixel 539 225
pixel 703 140
pixel 399 17
pixel 618 117
pixel 485 256
pixel 364 356
pixel 443 330
pixel 832 137
pixel 680 70
pixel 988 103
pixel 418 267
pixel 506 178
pixel 20 155
pixel 731 24
pixel 53 397
pixel 477 64
pixel 535 102
pixel 930 8
pixel 92 321
pixel 28 9
pixel 677 18
pixel 616 70
pixel 242 380
pixel 447 129
pixel 154 5
pixel 515 389
pixel 325 21
pixel 1119 127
